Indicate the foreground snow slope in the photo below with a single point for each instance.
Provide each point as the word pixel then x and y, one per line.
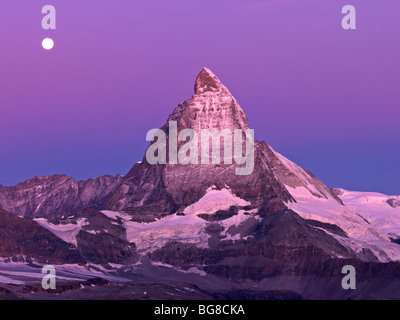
pixel 368 219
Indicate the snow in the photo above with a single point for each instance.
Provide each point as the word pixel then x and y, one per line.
pixel 236 221
pixel 93 231
pixel 187 228
pixel 215 200
pixel 114 215
pixel 38 275
pixel 116 265
pixel 196 270
pixel 368 220
pixel 22 273
pixel 7 280
pixel 308 182
pixel 154 235
pixel 66 232
pixel 190 270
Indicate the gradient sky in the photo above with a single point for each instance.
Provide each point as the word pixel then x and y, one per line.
pixel 326 98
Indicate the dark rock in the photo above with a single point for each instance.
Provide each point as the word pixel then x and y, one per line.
pixel 24 237
pixel 57 196
pixel 394 203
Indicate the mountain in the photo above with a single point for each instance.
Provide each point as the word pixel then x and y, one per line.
pixel 150 191
pixel 277 232
pixel 21 239
pixel 57 196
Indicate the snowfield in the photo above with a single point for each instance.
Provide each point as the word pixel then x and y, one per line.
pixel 366 217
pixel 20 273
pixel 66 232
pixel 215 200
pixel 188 228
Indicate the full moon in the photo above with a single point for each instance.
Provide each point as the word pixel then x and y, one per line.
pixel 47 43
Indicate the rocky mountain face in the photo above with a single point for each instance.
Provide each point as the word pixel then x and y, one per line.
pixel 101 240
pixel 151 191
pixel 275 233
pixel 98 241
pixel 57 196
pixel 22 239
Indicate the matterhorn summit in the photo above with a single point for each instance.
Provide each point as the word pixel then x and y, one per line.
pixel 207 81
pixel 171 188
pixel 212 106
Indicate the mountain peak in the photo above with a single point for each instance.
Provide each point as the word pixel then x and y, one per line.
pixel 207 81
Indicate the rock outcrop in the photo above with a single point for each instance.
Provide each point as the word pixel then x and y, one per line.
pixel 57 196
pixel 22 239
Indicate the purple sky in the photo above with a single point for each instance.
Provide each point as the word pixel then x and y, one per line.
pixel 326 98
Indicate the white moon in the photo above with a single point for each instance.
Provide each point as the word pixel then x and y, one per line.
pixel 47 43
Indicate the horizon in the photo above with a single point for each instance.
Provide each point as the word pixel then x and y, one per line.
pixel 83 108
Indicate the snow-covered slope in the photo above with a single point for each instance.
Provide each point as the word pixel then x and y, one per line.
pixel 66 232
pixel 375 208
pixel 187 228
pixel 367 219
pixel 215 200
